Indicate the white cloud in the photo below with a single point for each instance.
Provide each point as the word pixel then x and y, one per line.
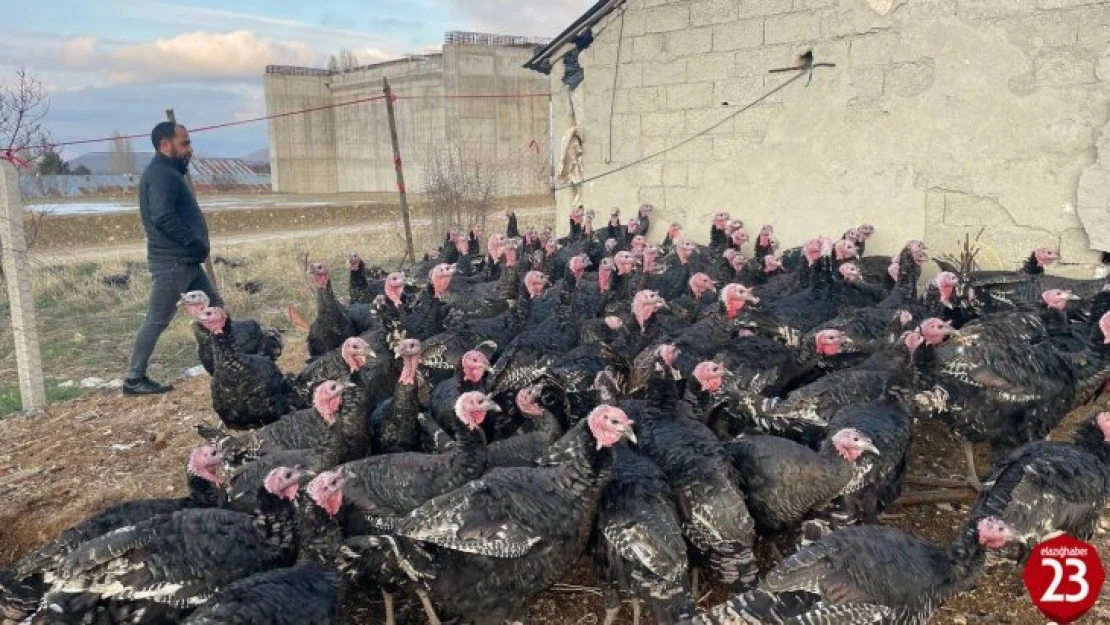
pixel 239 54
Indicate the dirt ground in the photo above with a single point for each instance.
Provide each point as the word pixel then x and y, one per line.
pixel 72 459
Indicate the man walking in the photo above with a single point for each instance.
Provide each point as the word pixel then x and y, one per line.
pixel 176 245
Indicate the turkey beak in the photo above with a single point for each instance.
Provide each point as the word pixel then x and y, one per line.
pixel 1072 297
pixel 753 299
pixel 630 435
pixel 871 448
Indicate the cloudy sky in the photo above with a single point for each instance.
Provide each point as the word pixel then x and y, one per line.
pixel 117 64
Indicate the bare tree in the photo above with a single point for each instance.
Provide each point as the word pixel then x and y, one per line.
pixel 122 158
pixel 460 189
pixel 333 63
pixel 23 107
pixel 347 59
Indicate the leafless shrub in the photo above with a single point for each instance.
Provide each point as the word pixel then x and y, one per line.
pixel 459 189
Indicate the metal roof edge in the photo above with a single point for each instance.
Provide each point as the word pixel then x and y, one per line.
pixel 588 19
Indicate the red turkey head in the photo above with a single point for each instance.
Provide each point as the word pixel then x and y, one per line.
pixel 638 243
pixel 765 232
pixel 739 237
pixel 651 252
pixel 534 283
pixel 354 262
pixel 946 283
pixel 852 235
pixel 771 263
pixel 893 269
pixel 462 244
pixel 644 305
pixel 633 225
pixel 609 425
pixel 471 408
pixel 673 230
pixel 729 254
pixel 527 400
pixel 576 214
pixel 327 398
pixel 1103 422
pixel 994 533
pixel 477 230
pixel 845 249
pixel 739 263
pixel 588 223
pixel 850 443
pixel 578 265
pixel 904 317
pixel 496 245
pixel 615 212
pixel 550 247
pixel 1104 326
pixel 733 226
pixel 710 376
pixel 326 491
pixel 440 277
pixel 394 287
pixel 1057 299
pixel 408 350
pixel 646 210
pixel 667 354
pixel 511 249
pixel 605 274
pixel 355 351
pixel 213 319
pixel 919 252
pixel 830 342
pixel 735 296
pixel 812 250
pixel 700 284
pixel 720 220
pixel 913 341
pixel 1045 256
pixel 935 330
pixel 850 272
pixel 865 231
pixel 284 482
pixel 614 322
pixel 318 273
pixel 684 250
pixel 625 263
pixel 194 302
pixel 826 245
pixel 207 463
pixel 610 245
pixel 474 366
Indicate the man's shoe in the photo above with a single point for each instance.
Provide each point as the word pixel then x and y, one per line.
pixel 145 386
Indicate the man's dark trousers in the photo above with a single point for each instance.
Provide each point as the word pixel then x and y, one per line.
pixel 171 280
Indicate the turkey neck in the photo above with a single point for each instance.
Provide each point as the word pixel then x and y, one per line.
pixel 588 469
pixel 1089 438
pixel 471 453
pixel 226 353
pixel 275 520
pixel 966 557
pixel 347 438
pixel 506 286
pixel 326 304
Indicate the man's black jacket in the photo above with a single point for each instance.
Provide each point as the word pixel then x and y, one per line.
pixel 175 228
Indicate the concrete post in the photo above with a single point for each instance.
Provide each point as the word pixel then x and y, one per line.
pixel 17 272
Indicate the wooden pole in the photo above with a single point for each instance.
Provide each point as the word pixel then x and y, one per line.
pixel 397 166
pixel 17 271
pixel 170 117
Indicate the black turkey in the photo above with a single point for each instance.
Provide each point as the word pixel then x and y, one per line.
pixel 250 336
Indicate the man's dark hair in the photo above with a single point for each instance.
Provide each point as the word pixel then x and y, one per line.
pixel 163 130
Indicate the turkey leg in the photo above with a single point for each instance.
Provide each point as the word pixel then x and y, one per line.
pixel 428 608
pixel 972 475
pixel 387 598
pixel 635 612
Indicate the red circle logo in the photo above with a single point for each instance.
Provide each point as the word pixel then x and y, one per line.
pixel 1064 577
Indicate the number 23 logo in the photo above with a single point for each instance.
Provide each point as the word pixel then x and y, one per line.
pixel 1079 577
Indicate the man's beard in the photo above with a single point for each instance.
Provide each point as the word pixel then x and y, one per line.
pixel 180 162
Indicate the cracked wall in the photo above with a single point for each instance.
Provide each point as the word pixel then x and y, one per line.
pixel 942 117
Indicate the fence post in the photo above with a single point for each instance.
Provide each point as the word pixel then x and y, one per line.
pixel 17 271
pixel 171 117
pixel 397 165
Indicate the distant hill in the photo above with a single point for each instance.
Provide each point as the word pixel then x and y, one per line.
pixel 101 162
pixel 258 157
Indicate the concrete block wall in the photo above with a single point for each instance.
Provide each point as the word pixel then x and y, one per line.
pixel 941 117
pixel 348 149
pixel 302 147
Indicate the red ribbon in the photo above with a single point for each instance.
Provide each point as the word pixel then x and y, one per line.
pixel 9 155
